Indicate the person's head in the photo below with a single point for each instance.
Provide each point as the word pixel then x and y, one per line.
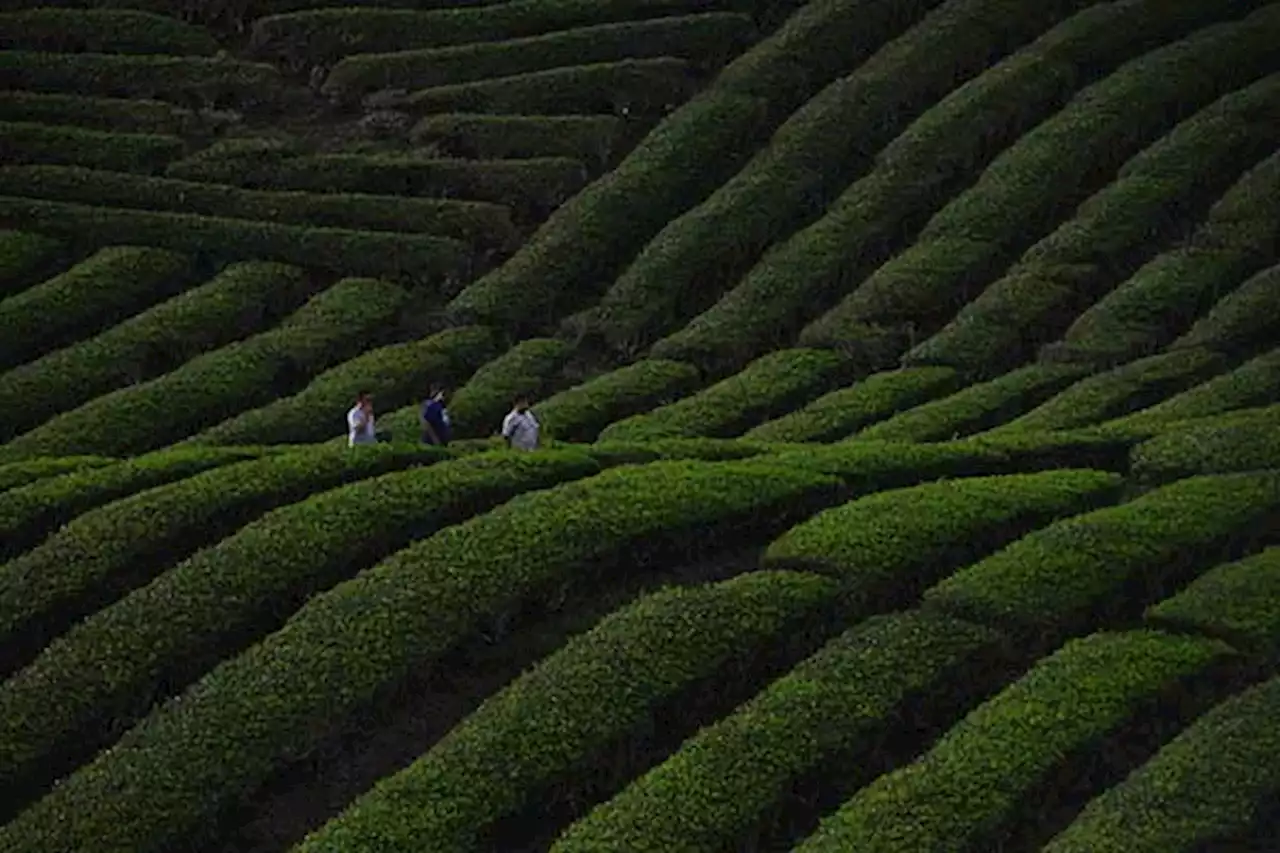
pixel 437 393
pixel 522 404
pixel 364 400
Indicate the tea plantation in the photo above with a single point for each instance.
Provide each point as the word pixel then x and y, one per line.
pixel 908 374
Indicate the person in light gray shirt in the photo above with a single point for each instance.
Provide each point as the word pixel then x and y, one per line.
pixel 360 428
pixel 520 427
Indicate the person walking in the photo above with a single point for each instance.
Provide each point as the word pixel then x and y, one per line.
pixel 360 429
pixel 434 418
pixel 520 427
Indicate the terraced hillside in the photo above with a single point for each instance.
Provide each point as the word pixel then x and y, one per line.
pixel 909 384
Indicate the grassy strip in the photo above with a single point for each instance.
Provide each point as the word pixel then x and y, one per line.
pixel 93 295
pixel 872 399
pixel 1246 442
pixel 103 31
pixel 699 255
pixel 1128 388
pixel 333 326
pixel 239 301
pixel 835 708
pixel 581 412
pixel 1046 174
pixel 685 158
pixel 640 86
pixel 15 475
pixel 30 512
pixel 114 114
pixel 635 662
pixel 470 221
pixel 977 407
pixel 1149 310
pixel 1239 602
pixel 1111 234
pixel 110 669
pixel 394 374
pixel 224 737
pixel 1078 573
pixel 409 257
pixel 588 139
pixel 1243 320
pixel 710 39
pixel 766 388
pixel 1206 784
pixel 182 79
pixel 976 781
pixel 933 158
pixel 32 143
pixel 25 258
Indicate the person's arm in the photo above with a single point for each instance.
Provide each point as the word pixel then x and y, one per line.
pixel 508 429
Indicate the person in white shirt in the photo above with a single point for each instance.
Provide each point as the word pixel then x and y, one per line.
pixel 360 428
pixel 520 427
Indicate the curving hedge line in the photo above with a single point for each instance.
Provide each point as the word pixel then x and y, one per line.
pixel 581 412
pixel 636 663
pixel 685 158
pixel 587 139
pixel 1078 573
pixel 829 713
pixel 1247 441
pixel 152 642
pixel 868 400
pixel 30 142
pixel 93 295
pixel 238 302
pixel 1050 170
pixel 474 222
pixel 974 784
pixel 223 737
pixel 768 387
pixel 25 258
pixel 1241 321
pixel 335 325
pixel 977 407
pixel 1110 234
pixel 709 39
pixel 14 475
pixel 114 114
pixel 103 31
pixel 1209 782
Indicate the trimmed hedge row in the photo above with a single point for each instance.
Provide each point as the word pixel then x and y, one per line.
pixel 976 780
pixel 394 374
pixel 635 662
pixel 868 400
pixel 217 602
pixel 977 407
pixel 639 452
pixel 410 257
pixel 640 86
pixel 1239 602
pixel 211 80
pixel 1080 572
pixel 1210 781
pixel 96 293
pixel 1241 321
pixel 25 258
pixel 709 39
pixel 239 301
pixel 224 736
pixel 581 412
pixel 14 475
pixel 335 325
pixel 686 157
pixel 1049 171
pixel 831 710
pixel 768 387
pixel 114 114
pixel 102 31
pixel 470 221
pixel 31 512
pixel 1109 235
pixel 588 139
pixel 1248 441
pixel 699 255
pixel 29 142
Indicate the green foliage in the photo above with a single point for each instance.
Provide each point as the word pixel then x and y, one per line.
pixel 239 724
pixel 221 599
pixel 330 328
pixel 14 475
pixel 29 142
pixel 1239 602
pixel 581 412
pixel 589 139
pixel 102 31
pixel 639 452
pixel 1242 320
pixel 1211 781
pixel 832 710
pixel 601 686
pixel 1245 442
pixel 869 400
pixel 768 387
pixel 475 222
pixel 1078 573
pixel 117 114
pixel 974 781
pixel 24 258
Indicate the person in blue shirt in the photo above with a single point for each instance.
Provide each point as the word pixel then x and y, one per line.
pixel 434 418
